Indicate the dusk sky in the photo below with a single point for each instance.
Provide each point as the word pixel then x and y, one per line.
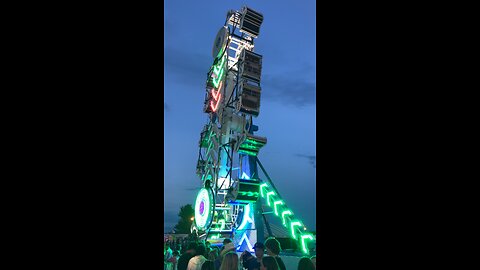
pixel 287 42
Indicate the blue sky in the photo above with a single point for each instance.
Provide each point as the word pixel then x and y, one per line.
pixel 287 42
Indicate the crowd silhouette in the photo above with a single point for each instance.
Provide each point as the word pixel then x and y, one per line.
pixel 188 254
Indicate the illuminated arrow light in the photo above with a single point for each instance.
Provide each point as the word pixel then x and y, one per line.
pixel 303 242
pixel 275 206
pixel 216 81
pixel 287 212
pixel 292 225
pixel 261 189
pixel 248 193
pixel 217 68
pixel 216 96
pixel 245 238
pixel 268 196
pixel 215 107
pixel 218 72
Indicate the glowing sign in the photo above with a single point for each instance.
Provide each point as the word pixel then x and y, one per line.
pixel 293 224
pixel 268 197
pixel 261 189
pixel 218 73
pixel 216 97
pixel 283 216
pixel 248 193
pixel 203 208
pixel 275 206
pixel 303 242
pixel 223 183
pixel 217 76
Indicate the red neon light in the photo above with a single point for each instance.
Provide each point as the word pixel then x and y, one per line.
pixel 214 108
pixel 216 96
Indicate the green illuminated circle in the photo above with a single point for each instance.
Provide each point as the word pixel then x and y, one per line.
pixel 203 208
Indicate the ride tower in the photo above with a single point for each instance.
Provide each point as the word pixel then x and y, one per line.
pixel 229 203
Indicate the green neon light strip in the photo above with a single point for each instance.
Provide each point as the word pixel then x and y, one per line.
pixel 303 242
pixel 275 206
pixel 251 183
pixel 268 196
pixel 217 80
pixel 218 70
pixel 250 153
pixel 283 216
pixel 261 189
pixel 254 142
pixel 216 98
pixel 249 193
pixel 247 146
pixel 292 225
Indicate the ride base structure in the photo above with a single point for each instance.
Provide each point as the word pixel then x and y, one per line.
pixel 229 204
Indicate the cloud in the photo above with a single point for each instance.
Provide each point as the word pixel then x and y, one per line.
pixel 187 66
pixel 294 87
pixel 170 219
pixel 311 159
pixel 171 215
pixel 289 89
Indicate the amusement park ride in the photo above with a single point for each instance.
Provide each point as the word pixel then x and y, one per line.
pixel 229 205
